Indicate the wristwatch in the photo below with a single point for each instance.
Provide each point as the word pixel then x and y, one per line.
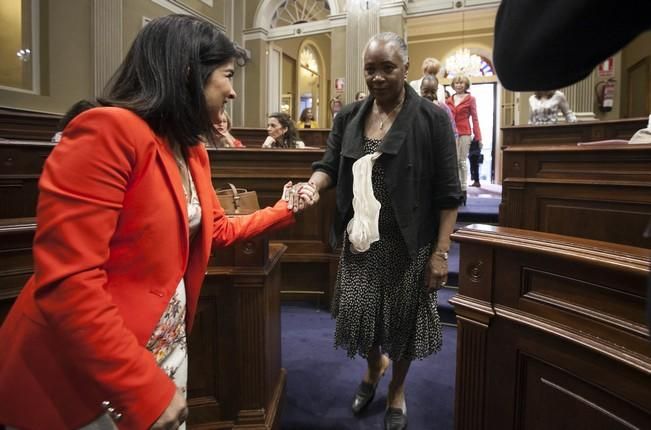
pixel 443 255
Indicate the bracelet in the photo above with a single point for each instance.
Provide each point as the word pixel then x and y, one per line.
pixel 442 254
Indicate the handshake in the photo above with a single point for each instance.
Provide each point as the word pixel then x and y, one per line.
pixel 300 196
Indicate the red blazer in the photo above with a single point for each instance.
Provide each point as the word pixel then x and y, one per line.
pixel 467 108
pixel 110 249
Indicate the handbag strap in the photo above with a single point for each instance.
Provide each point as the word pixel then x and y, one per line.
pixel 236 196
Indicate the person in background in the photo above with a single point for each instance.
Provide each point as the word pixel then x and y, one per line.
pixel 75 109
pixel 429 89
pixel 335 106
pixel 431 66
pixel 307 119
pixel 360 95
pixel 225 139
pixel 464 106
pixel 544 107
pixel 282 132
pixel 392 158
pixel 126 219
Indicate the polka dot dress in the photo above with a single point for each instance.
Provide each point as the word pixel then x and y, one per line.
pixel 380 297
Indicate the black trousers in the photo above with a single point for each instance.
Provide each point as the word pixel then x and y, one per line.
pixel 474 167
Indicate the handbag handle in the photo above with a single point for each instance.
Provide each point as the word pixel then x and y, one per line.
pixel 236 196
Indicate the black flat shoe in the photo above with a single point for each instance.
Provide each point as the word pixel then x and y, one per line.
pixel 363 396
pixel 395 419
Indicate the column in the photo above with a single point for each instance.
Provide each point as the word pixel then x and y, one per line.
pixel 107 41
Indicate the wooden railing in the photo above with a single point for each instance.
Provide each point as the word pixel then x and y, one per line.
pixel 551 332
pixel 570 134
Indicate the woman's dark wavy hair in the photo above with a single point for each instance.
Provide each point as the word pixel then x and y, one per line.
pixel 164 73
pixel 303 116
pixel 291 135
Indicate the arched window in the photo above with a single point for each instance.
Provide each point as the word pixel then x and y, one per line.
pixel 291 12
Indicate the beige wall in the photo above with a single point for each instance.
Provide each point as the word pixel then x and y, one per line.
pixel 66 69
pixel 255 96
pixel 337 64
pixel 395 24
pixel 11 20
pixel 251 8
pixel 637 50
pixel 66 49
pixel 291 48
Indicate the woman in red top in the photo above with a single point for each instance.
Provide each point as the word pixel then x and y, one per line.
pixel 126 218
pixel 464 106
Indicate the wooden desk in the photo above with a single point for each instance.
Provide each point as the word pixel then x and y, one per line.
pixel 310 264
pixel 571 133
pixel 235 378
pixel 600 192
pixel 253 137
pixel 551 332
pixel 235 375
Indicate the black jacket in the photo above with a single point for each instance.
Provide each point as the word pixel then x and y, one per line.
pixel 419 159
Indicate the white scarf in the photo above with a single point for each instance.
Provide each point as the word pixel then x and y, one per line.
pixel 363 228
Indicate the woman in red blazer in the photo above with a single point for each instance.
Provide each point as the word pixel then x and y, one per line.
pixel 126 218
pixel 463 106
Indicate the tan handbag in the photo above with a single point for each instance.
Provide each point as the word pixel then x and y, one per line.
pixel 238 201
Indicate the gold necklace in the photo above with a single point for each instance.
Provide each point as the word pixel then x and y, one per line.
pixel 386 116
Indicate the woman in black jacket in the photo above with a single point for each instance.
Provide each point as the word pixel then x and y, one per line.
pixel 397 218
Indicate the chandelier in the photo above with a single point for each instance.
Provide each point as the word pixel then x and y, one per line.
pixel 463 62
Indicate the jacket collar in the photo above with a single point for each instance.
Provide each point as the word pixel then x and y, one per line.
pixel 393 140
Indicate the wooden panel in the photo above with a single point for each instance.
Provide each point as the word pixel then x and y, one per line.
pixel 25 125
pixel 588 191
pixel 235 379
pixel 265 171
pixel 570 134
pixel 471 353
pixel 561 341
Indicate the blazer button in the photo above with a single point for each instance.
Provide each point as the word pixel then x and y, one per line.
pixel 106 404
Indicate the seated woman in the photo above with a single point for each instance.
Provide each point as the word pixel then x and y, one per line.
pixel 307 119
pixel 282 132
pixel 225 138
pixel 544 107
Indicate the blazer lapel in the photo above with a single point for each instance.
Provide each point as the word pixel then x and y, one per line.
pixel 204 191
pixel 173 176
pixel 352 140
pixel 394 139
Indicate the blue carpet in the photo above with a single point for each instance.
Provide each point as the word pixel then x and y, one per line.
pixel 321 380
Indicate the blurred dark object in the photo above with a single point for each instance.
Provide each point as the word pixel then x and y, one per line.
pixel 546 45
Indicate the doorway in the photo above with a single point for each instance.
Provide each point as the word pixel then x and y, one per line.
pixel 486 96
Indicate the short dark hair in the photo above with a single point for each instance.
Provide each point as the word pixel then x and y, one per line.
pixel 75 109
pixel 164 73
pixel 291 135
